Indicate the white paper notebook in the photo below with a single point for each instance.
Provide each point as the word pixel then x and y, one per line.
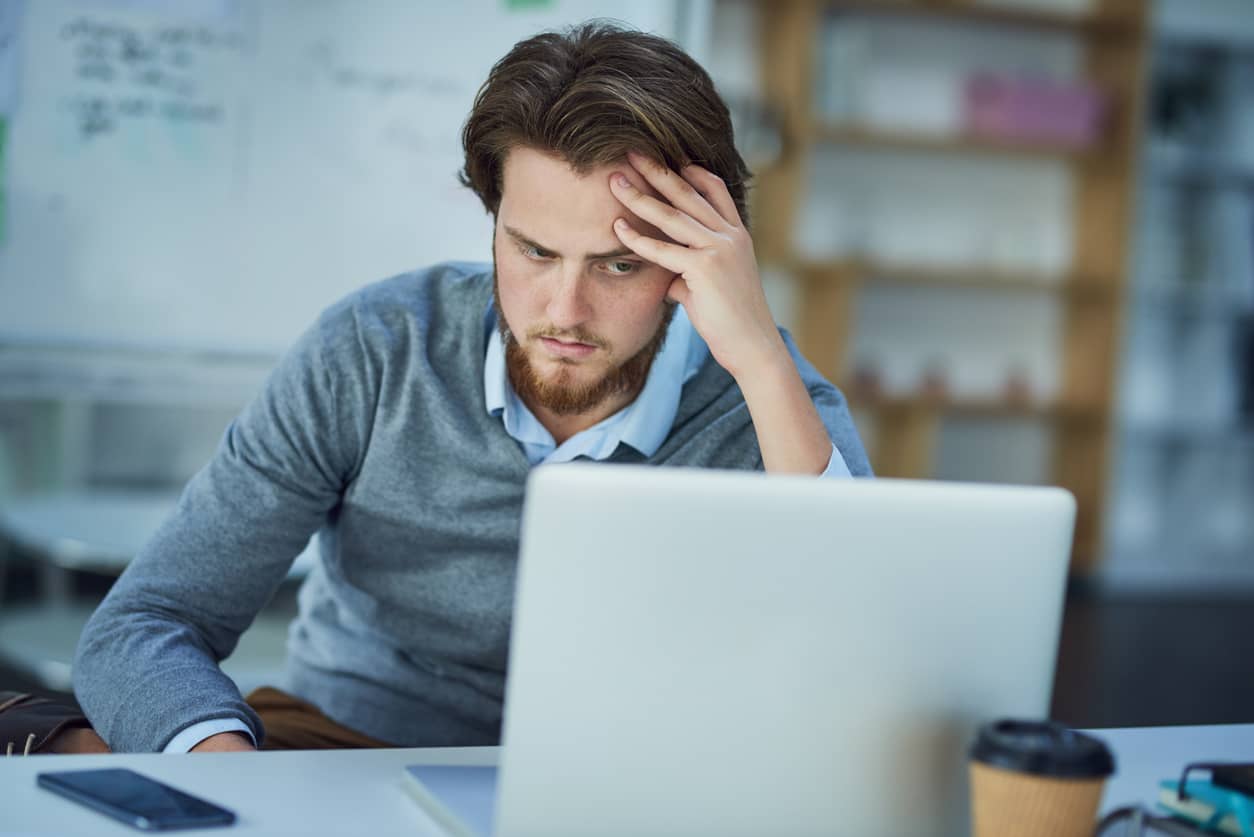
pixel 461 799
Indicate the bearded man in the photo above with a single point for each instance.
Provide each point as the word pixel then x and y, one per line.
pixel 622 320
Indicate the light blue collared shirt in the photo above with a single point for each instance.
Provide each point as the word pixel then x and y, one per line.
pixel 643 424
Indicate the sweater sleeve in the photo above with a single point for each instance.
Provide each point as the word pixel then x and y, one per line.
pixel 146 667
pixel 833 411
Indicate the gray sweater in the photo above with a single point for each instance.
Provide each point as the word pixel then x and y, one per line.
pixel 372 430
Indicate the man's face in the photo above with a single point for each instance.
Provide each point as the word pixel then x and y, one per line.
pixel 584 315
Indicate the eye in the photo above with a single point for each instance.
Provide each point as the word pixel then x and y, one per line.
pixel 533 252
pixel 621 268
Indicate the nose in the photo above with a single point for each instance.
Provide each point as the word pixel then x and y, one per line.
pixel 569 305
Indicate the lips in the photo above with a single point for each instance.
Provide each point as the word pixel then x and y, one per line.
pixel 559 348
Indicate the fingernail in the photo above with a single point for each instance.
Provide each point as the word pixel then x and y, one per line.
pixel 621 181
pixel 620 224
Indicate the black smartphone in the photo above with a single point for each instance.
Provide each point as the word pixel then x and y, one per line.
pixel 135 799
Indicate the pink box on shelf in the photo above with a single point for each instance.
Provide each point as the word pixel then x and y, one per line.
pixel 1034 110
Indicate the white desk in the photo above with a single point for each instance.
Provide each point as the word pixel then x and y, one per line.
pixel 360 792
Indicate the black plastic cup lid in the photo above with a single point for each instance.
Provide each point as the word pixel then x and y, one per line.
pixel 1042 748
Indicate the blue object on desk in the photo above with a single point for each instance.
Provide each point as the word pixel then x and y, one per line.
pixel 1214 809
pixel 462 799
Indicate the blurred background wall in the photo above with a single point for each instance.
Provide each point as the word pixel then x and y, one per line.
pixel 1018 233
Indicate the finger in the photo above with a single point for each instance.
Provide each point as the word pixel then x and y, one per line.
pixel 674 257
pixel 714 190
pixel 677 190
pixel 674 222
pixel 679 291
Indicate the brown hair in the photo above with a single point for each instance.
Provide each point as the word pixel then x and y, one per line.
pixel 592 93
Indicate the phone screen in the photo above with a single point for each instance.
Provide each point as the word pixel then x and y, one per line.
pixel 135 799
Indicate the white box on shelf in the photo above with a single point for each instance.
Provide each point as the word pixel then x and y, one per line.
pixel 912 99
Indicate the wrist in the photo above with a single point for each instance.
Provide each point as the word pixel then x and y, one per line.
pixel 225 742
pixel 770 361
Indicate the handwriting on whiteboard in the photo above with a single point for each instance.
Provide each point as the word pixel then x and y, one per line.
pixel 343 73
pixel 130 73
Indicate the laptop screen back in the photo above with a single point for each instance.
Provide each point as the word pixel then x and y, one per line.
pixel 728 653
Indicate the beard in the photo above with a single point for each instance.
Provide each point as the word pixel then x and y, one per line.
pixel 560 393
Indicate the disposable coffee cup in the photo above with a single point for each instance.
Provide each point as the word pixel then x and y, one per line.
pixel 1036 779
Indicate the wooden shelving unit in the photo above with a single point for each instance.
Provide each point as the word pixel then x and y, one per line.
pixel 878 273
pixel 907 427
pixel 1120 19
pixel 853 135
pixel 1091 291
pixel 977 408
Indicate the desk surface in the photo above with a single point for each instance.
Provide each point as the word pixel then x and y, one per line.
pixel 360 791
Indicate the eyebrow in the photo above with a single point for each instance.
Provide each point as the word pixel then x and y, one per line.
pixel 621 252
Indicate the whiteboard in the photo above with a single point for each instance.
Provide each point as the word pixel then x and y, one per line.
pixel 208 175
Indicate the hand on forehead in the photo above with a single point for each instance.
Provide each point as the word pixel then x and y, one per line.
pixel 640 182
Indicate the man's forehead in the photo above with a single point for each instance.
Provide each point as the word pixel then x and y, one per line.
pixel 528 170
pixel 554 205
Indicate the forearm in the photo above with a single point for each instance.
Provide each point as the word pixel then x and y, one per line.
pixel 142 677
pixel 791 436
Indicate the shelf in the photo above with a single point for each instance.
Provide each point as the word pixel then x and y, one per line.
pixel 1090 294
pixel 1104 25
pixel 972 407
pixel 977 278
pixel 1201 169
pixel 1194 433
pixel 1224 27
pixel 1194 302
pixel 892 140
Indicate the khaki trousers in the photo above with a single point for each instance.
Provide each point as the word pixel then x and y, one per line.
pixel 294 724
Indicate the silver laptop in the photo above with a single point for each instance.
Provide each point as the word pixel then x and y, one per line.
pixel 700 652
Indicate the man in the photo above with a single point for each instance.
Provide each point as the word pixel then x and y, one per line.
pixel 623 321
